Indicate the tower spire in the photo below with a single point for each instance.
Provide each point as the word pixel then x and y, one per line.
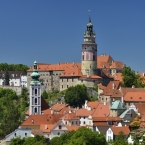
pixel 89 15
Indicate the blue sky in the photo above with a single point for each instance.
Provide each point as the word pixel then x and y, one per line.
pixel 52 30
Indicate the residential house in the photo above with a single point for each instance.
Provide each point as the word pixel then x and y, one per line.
pixel 113 131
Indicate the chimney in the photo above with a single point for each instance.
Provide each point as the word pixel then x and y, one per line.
pixel 46 127
pixel 32 121
pixel 113 86
pixel 52 112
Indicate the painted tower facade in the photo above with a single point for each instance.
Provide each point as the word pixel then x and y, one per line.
pixel 89 51
pixel 35 92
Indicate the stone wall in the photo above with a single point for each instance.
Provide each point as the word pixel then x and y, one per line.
pixel 18 90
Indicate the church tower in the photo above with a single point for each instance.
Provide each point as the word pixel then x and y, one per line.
pixel 35 92
pixel 89 51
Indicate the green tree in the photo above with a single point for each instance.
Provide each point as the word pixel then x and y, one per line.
pixel 130 78
pixel 76 95
pixel 120 139
pixel 13 67
pixel 7 78
pixel 83 136
pixel 12 110
pixel 45 95
pixel 37 140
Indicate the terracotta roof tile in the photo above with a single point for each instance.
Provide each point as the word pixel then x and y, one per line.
pixel 46 127
pixel 140 107
pixel 125 90
pixel 93 105
pixel 116 130
pixel 135 96
pixel 58 107
pixel 71 128
pixel 117 64
pixel 104 58
pixel 106 119
pixel 37 132
pixel 83 112
pixel 36 120
pixel 101 86
pixel 101 111
pixel 70 116
pixel 118 76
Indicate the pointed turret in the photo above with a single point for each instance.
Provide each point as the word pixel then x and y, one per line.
pixel 35 92
pixel 89 51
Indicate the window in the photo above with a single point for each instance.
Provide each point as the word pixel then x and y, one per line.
pixel 67 80
pixel 35 100
pixel 102 98
pixel 84 122
pixel 58 133
pixel 66 122
pixel 62 86
pixel 25 134
pixel 35 110
pixel 15 134
pixel 59 127
pixel 62 80
pixel 93 57
pixel 72 123
pixel 84 117
pixel 83 57
pixel 67 86
pixel 72 80
pixel 35 92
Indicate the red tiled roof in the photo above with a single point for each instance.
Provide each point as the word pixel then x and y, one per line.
pixel 70 116
pixel 104 58
pixel 58 107
pixel 118 76
pixel 71 128
pixel 33 120
pixel 125 90
pixel 117 64
pixel 46 127
pixel 101 111
pixel 135 96
pixel 100 86
pixel 93 105
pixel 140 107
pixel 117 129
pixel 96 119
pixel 83 112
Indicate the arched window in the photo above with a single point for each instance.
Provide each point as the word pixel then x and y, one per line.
pixel 35 110
pixel 35 100
pixel 35 92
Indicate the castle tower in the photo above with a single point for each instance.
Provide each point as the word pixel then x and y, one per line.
pixel 89 51
pixel 35 92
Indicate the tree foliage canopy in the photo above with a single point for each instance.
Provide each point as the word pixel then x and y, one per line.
pixel 76 95
pixel 37 140
pixel 13 67
pixel 12 109
pixel 83 136
pixel 130 78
